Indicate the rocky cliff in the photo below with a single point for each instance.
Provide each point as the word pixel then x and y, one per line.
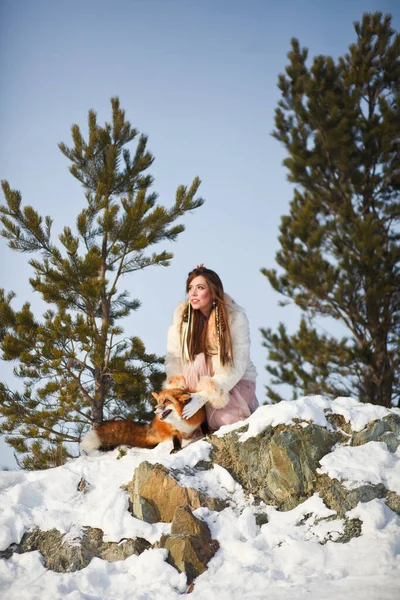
pixel 273 464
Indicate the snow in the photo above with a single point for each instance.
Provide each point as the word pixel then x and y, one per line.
pixel 370 463
pixel 310 408
pixel 282 559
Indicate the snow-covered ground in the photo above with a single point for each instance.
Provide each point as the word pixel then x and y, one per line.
pixel 282 559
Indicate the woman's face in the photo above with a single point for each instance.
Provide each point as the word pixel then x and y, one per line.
pixel 199 294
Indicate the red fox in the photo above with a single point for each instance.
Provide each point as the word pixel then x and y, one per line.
pixel 167 424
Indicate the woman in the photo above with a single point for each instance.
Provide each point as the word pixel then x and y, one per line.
pixel 208 352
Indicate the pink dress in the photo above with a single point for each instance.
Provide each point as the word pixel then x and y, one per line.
pixel 242 403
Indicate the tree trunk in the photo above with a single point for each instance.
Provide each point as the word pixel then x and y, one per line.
pixel 98 401
pixel 379 386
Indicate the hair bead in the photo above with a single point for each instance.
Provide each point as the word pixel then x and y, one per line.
pixel 218 329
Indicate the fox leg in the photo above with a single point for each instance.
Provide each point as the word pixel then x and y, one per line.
pixel 204 428
pixel 177 442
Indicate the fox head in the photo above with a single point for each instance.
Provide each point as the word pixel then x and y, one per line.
pixel 169 401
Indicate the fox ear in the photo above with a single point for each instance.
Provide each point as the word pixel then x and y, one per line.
pixel 155 395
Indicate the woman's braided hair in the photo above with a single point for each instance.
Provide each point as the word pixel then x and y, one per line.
pixel 197 330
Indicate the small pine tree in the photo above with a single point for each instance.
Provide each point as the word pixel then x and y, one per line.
pixel 340 251
pixel 75 362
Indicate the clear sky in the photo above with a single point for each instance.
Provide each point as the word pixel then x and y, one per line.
pixel 200 78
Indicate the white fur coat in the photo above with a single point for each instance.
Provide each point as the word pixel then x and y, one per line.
pixel 217 387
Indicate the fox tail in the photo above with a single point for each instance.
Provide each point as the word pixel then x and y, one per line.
pixel 91 441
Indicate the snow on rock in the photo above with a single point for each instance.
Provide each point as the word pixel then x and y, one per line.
pixel 370 463
pixel 310 408
pixel 293 553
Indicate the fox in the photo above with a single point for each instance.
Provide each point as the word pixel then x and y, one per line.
pixel 168 424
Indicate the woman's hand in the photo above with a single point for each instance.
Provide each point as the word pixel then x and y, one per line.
pixel 195 403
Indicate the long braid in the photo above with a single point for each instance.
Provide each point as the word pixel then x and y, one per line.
pixel 187 316
pixel 218 329
pixel 224 334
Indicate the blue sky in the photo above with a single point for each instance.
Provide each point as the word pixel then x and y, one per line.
pixel 200 78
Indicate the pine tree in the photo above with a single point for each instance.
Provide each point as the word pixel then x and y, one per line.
pixel 339 246
pixel 76 364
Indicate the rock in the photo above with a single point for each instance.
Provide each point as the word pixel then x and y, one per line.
pixel 113 551
pixel 338 422
pixel 391 439
pixel 185 523
pixel 64 554
pixel 261 519
pixel 60 555
pixel 279 465
pixel 386 430
pixel 154 495
pixel 340 499
pixel 83 485
pixel 352 529
pixel 393 502
pixel 190 544
pixel 189 554
pixel 8 552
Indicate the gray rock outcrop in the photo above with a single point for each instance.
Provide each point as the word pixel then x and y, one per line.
pixel 279 465
pixel 64 554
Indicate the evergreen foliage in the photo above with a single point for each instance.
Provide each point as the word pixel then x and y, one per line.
pixel 340 254
pixel 76 364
